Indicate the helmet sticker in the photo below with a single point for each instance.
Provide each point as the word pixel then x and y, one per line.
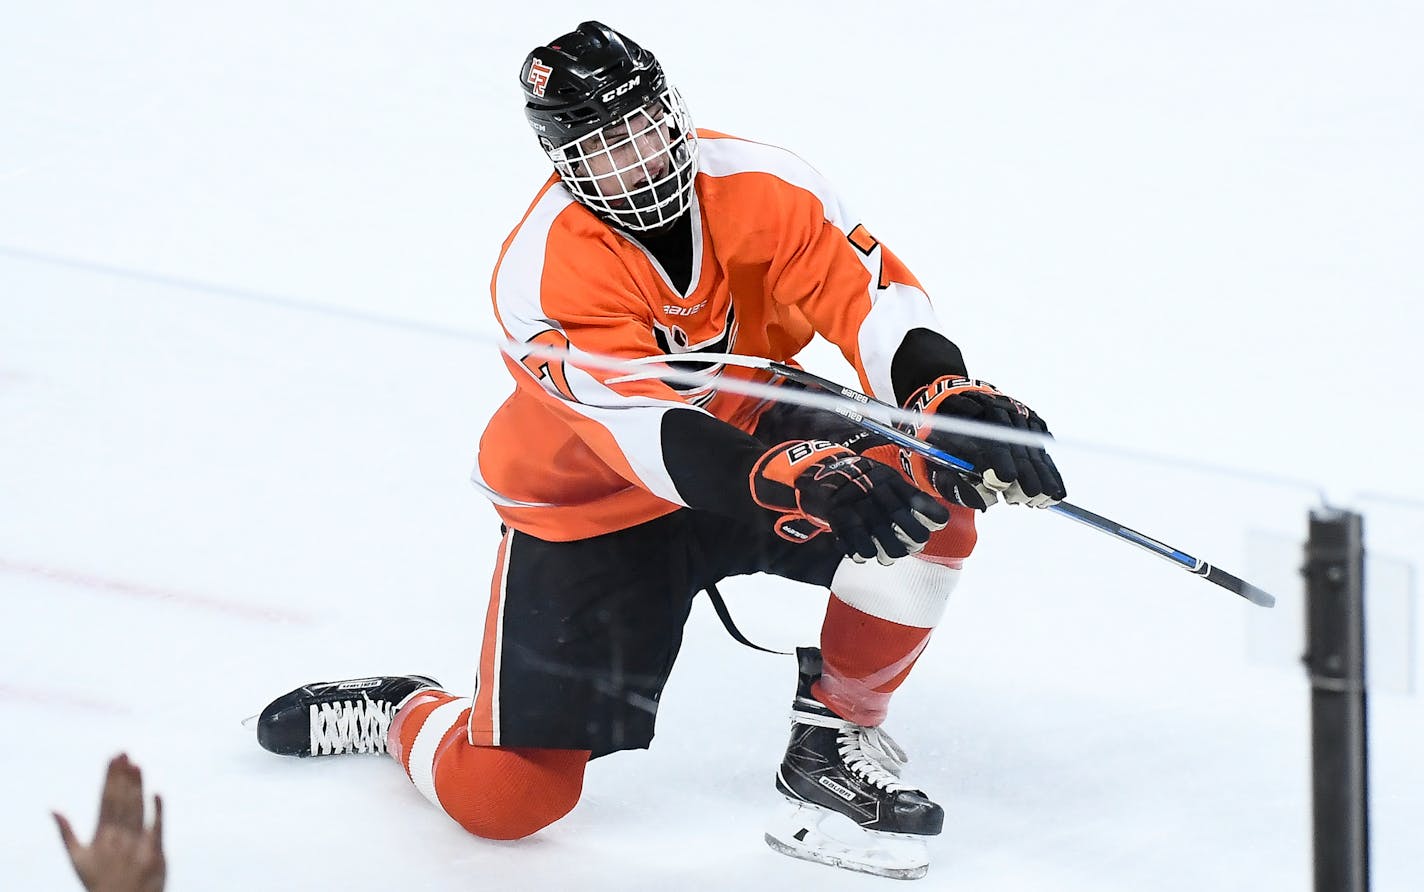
pixel 539 76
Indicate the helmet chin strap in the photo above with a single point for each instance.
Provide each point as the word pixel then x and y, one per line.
pixel 646 204
pixel 660 230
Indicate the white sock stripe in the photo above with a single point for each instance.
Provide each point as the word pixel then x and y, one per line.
pixel 911 591
pixel 427 740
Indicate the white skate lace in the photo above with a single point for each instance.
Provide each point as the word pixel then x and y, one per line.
pixel 874 756
pixel 867 750
pixel 883 748
pixel 350 726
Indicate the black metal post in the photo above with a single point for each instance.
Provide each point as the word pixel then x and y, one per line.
pixel 1335 660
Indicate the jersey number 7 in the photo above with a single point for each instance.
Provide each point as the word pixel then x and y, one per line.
pixel 549 370
pixel 866 244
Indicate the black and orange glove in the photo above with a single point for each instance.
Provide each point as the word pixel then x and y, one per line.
pixel 1021 475
pixel 817 486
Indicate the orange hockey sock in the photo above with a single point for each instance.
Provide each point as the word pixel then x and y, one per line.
pixel 865 659
pixel 493 792
pixel 879 620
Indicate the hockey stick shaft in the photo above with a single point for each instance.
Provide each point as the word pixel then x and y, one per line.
pixel 1228 581
pixel 1176 556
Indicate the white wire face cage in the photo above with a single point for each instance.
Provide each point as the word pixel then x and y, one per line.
pixel 637 171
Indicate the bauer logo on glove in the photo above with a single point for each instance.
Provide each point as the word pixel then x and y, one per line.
pixel 816 486
pixel 1020 475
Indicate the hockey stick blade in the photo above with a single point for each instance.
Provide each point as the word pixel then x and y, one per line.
pixel 1196 566
pixel 1252 593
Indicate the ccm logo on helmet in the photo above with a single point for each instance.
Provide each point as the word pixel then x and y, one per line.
pixel 539 76
pixel 620 90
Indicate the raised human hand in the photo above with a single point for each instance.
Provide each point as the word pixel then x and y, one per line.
pixel 125 855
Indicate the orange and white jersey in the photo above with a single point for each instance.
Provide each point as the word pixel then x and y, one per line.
pixel 776 259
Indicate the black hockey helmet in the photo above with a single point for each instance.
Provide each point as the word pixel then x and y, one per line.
pixel 594 83
pixel 585 79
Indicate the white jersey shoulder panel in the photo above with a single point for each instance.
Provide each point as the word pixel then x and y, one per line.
pixel 517 284
pixel 725 156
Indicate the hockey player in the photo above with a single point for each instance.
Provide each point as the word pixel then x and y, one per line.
pixel 620 501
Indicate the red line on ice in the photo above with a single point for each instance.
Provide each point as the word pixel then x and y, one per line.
pixel 60 698
pixel 152 593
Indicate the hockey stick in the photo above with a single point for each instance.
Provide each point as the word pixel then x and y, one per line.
pixel 1097 522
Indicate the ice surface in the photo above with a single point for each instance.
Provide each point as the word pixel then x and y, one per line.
pixel 1189 231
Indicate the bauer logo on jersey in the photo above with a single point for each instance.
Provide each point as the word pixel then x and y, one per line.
pixel 671 310
pixel 539 76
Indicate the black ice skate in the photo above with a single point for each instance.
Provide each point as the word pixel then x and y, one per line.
pixel 835 770
pixel 328 718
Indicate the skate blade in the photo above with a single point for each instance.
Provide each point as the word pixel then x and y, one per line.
pixel 812 833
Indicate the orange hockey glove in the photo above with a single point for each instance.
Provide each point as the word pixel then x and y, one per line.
pixel 1022 475
pixel 870 509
